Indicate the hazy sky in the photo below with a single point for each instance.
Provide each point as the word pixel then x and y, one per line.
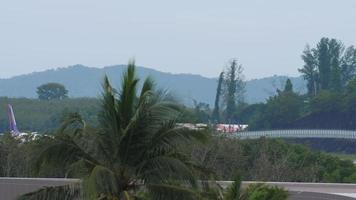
pixel 181 36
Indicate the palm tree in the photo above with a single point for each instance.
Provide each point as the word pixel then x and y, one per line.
pixel 137 147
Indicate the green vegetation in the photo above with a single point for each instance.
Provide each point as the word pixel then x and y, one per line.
pixel 222 158
pixel 263 192
pixel 52 91
pixel 329 104
pixel 46 116
pixel 260 160
pixel 231 90
pixel 127 145
pixel 136 144
pixel 135 151
pixel 272 160
pixel 329 70
pixel 328 66
pixel 216 111
pixel 288 110
pixel 254 192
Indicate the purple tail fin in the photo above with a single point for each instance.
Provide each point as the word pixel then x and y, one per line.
pixel 12 121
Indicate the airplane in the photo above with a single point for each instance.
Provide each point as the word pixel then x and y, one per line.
pixel 14 131
pixel 12 121
pixel 221 128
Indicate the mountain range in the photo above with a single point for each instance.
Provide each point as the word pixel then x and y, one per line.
pixel 82 81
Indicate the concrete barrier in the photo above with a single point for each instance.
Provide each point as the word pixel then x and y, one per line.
pixel 11 188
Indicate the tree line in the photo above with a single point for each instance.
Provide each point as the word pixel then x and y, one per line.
pixel 328 66
pixel 329 70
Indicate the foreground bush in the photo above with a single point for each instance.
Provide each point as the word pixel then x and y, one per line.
pixel 254 192
pixel 264 192
pixel 272 160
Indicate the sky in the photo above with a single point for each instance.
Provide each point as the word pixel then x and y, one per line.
pixel 182 36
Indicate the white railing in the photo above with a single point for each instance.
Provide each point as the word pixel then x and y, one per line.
pixel 303 133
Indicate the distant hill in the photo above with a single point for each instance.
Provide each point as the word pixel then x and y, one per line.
pixel 82 81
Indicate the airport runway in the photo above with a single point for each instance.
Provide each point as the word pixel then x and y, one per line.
pixel 311 191
pixel 10 188
pixel 331 188
pixel 316 196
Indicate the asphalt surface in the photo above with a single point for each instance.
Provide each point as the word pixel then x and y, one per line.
pixel 331 188
pixel 316 196
pixel 11 188
pixel 310 191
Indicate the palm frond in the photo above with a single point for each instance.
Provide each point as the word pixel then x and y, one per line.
pixel 165 168
pixel 64 149
pixel 128 94
pixel 79 169
pixel 74 122
pixel 109 118
pixel 148 86
pixel 101 181
pixel 234 191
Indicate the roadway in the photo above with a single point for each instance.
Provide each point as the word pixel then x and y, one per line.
pixel 316 196
pixel 310 191
pixel 10 188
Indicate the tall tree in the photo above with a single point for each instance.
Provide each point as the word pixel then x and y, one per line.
pixel 348 65
pixel 234 89
pixel 216 112
pixel 310 71
pixel 288 86
pixel 336 49
pixel 230 91
pixel 240 85
pixel 52 91
pixel 323 59
pixel 137 143
pixel 328 66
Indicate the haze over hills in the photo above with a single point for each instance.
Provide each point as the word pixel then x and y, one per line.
pixel 82 81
